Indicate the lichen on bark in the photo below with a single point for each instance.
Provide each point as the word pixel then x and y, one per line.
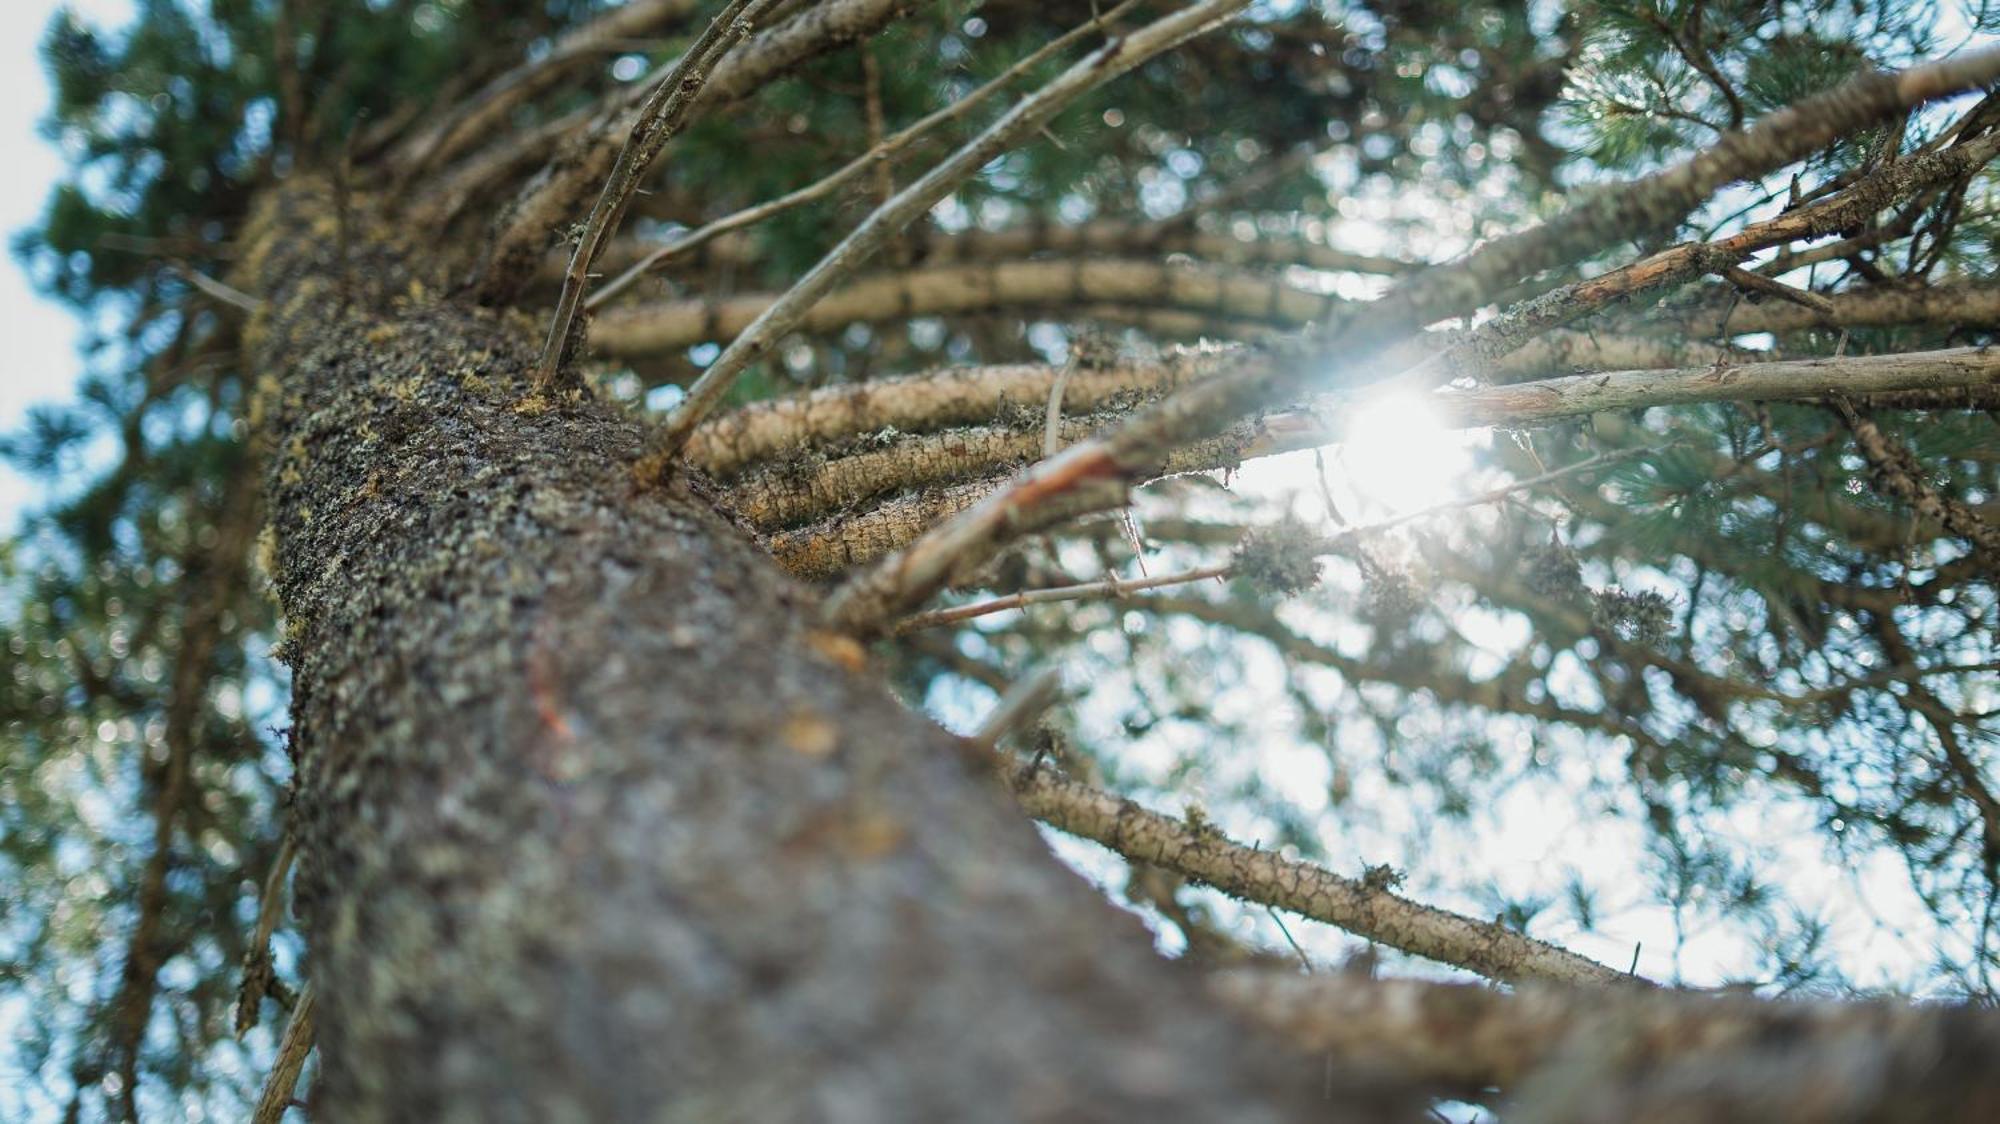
pixel 593 825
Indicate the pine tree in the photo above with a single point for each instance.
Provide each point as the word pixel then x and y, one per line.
pixel 540 462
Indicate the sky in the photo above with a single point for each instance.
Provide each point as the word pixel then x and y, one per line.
pixel 39 361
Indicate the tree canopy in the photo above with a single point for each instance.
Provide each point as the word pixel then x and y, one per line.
pixel 1690 632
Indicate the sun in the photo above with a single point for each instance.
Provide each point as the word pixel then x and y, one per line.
pixel 1392 455
pixel 1399 456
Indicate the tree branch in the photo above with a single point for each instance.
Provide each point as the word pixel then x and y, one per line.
pixel 1121 587
pixel 910 403
pixel 1017 124
pixel 877 157
pixel 637 330
pixel 1158 238
pixel 1201 853
pixel 1970 305
pixel 484 113
pixel 293 1047
pixel 1019 503
pixel 1567 1053
pixel 1778 380
pixel 1100 238
pixel 662 115
pixel 257 974
pixel 588 141
pixel 1898 473
pixel 1483 345
pixel 959 395
pixel 899 584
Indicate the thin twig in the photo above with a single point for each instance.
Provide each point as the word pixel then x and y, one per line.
pixel 1097 473
pixel 1021 704
pixel 293 1047
pixel 1052 416
pixel 484 114
pixel 878 156
pixel 210 287
pixel 1107 587
pixel 659 119
pixel 1758 283
pixel 1016 125
pixel 871 83
pixel 1115 587
pixel 1304 960
pixel 257 977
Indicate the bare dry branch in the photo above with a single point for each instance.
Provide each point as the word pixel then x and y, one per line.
pixel 587 142
pixel 1118 588
pixel 877 158
pixel 662 115
pixel 1082 591
pixel 1517 404
pixel 1021 704
pixel 1646 1054
pixel 1267 299
pixel 1779 380
pixel 216 290
pixel 1764 286
pixel 1487 343
pixel 1165 236
pixel 1028 116
pixel 828 548
pixel 1200 852
pixel 911 403
pixel 1101 238
pixel 961 395
pixel 1107 464
pixel 257 971
pixel 483 114
pixel 293 1047
pixel 1899 474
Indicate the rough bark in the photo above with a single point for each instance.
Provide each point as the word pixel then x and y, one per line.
pixel 1575 1054
pixel 594 826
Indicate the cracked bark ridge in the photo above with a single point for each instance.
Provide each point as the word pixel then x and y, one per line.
pixel 593 825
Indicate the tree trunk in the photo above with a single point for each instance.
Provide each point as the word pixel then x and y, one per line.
pixel 593 825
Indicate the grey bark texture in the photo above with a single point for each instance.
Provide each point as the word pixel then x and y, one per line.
pixel 594 826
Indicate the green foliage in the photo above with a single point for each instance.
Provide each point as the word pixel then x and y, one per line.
pixel 1685 634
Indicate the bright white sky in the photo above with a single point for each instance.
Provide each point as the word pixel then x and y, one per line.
pixel 38 362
